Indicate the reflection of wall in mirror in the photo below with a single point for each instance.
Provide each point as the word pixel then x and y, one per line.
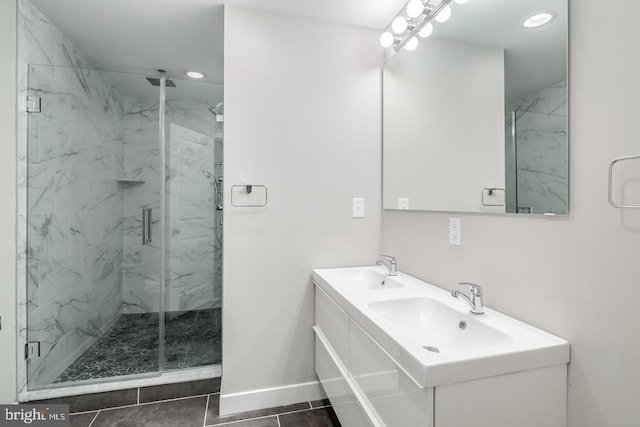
pixel 444 127
pixel 539 182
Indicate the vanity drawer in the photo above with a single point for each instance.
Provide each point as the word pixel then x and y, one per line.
pixel 333 378
pixel 333 322
pixel 396 398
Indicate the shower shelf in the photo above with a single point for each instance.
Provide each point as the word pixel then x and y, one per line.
pixel 130 181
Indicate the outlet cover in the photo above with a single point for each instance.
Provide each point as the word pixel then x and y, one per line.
pixel 455 231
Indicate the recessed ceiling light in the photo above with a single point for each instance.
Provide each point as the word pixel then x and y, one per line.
pixel 539 19
pixel 195 74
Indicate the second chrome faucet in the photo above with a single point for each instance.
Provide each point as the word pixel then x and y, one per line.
pixel 475 301
pixel 392 264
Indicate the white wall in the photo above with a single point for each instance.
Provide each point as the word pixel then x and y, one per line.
pixel 577 277
pixel 444 127
pixel 8 155
pixel 302 116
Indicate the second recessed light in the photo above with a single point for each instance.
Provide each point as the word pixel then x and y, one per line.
pixel 538 20
pixel 194 74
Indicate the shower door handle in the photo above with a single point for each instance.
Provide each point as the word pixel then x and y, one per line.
pixel 146 226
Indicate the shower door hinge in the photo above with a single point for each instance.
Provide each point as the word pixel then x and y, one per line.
pixel 33 104
pixel 32 350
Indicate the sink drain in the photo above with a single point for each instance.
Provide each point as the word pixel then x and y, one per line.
pixel 432 349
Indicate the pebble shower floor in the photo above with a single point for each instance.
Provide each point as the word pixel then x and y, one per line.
pixel 193 338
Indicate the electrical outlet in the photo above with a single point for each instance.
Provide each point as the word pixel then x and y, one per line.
pixel 455 231
pixel 403 203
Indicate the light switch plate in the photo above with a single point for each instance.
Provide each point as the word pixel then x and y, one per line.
pixel 455 231
pixel 358 207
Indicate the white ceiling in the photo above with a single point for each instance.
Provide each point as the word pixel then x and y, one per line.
pixel 141 36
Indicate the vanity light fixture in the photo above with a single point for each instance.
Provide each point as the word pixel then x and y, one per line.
pixel 411 44
pixel 426 31
pixel 538 19
pixel 415 20
pixel 194 74
pixel 415 8
pixel 399 25
pixel 444 14
pixel 387 39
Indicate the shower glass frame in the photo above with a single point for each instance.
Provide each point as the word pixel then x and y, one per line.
pixel 71 102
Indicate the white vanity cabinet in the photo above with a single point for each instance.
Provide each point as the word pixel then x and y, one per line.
pixel 369 387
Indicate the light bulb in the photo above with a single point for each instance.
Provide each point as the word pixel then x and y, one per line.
pixel 412 44
pixel 461 1
pixel 444 14
pixel 399 25
pixel 426 30
pixel 415 8
pixel 538 20
pixel 386 39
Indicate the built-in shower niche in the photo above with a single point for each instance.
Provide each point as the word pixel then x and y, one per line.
pixel 93 164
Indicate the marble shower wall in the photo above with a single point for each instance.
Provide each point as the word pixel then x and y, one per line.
pixel 541 141
pixel 70 203
pixel 141 263
pixel 194 242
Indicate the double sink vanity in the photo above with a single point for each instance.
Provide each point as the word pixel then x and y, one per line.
pixel 392 350
pixel 475 120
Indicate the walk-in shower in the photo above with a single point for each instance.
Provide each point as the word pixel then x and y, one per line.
pixel 102 302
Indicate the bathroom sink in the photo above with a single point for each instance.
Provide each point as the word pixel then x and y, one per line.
pixel 359 280
pixel 433 336
pixel 438 327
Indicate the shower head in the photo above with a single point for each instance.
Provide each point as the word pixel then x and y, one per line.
pixel 218 109
pixel 211 178
pixel 155 81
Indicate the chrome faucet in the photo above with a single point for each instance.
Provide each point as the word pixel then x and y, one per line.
pixel 476 297
pixel 392 266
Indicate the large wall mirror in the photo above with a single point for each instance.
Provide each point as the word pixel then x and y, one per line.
pixel 475 118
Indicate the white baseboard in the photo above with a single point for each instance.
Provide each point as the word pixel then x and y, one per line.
pixel 269 397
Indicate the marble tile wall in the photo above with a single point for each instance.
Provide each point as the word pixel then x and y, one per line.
pixel 70 204
pixel 541 135
pixel 141 263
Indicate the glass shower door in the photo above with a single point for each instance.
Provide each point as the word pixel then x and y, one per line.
pixel 92 212
pixel 193 263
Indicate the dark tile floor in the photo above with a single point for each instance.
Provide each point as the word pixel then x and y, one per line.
pixel 193 338
pixel 190 404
